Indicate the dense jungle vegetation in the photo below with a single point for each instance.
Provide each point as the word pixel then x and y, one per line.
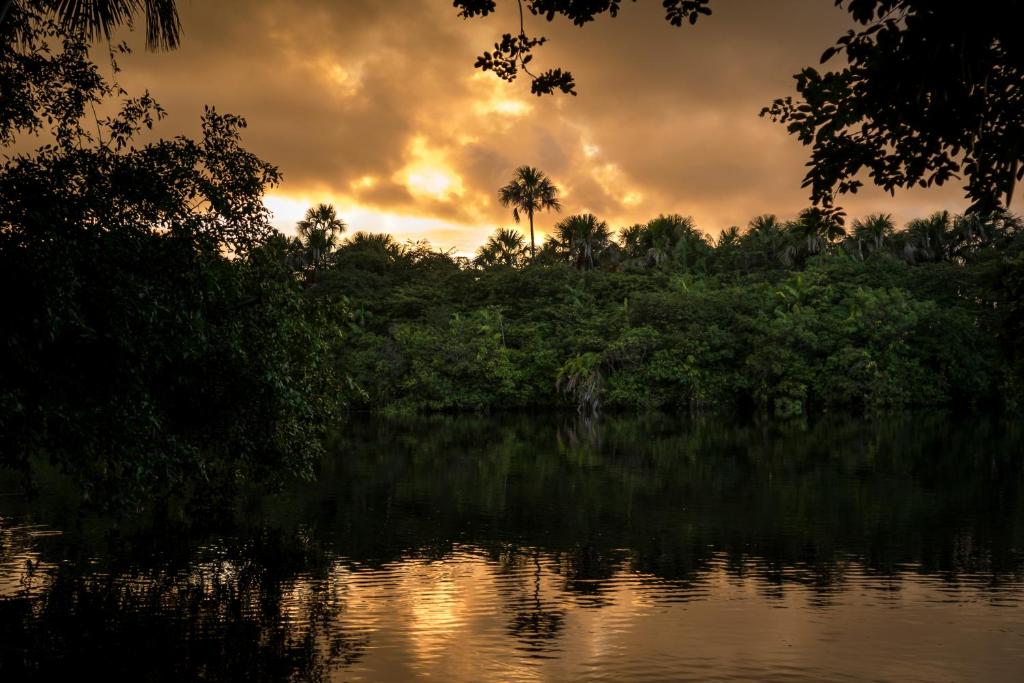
pixel 778 317
pixel 160 334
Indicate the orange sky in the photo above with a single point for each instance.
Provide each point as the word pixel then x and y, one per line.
pixel 375 106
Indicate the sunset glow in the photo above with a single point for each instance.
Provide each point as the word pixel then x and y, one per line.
pixel 432 148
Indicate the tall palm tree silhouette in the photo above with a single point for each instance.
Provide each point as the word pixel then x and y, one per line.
pixel 529 192
pixel 100 17
pixel 319 232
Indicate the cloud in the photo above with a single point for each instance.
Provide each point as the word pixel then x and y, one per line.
pixel 375 106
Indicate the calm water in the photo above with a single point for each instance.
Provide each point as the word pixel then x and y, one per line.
pixel 467 549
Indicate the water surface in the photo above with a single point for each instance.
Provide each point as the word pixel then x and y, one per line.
pixel 526 548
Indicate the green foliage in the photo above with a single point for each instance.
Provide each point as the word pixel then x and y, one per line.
pixel 876 334
pixel 159 340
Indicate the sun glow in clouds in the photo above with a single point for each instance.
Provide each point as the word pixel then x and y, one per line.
pixel 428 174
pixel 498 99
pixel 632 199
pixel 367 182
pixel 343 81
pixel 464 238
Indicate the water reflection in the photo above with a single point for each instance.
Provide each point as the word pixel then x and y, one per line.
pixel 550 549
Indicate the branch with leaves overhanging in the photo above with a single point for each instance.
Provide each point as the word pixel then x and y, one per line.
pixel 514 52
pixel 98 19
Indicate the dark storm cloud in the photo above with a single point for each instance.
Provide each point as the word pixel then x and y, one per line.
pixel 375 105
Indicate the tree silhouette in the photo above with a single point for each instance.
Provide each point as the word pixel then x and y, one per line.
pixel 819 228
pixel 871 233
pixel 504 248
pixel 529 192
pixel 930 91
pixel 319 233
pixel 99 18
pixel 583 237
pixel 514 52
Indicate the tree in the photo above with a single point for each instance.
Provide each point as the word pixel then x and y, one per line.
pixel 766 239
pixel 819 228
pixel 160 341
pixel 513 53
pixel 675 238
pixel 872 232
pixel 99 18
pixel 529 192
pixel 930 91
pixel 583 237
pixel 319 232
pixel 504 248
pixel 927 239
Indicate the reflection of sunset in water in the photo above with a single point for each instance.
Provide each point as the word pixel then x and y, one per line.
pixel 516 549
pixel 451 620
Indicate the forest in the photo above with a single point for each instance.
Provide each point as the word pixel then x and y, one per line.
pixel 779 317
pixel 160 334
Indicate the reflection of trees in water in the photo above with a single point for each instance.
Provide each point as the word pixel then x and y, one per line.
pixel 919 490
pixel 563 508
pixel 586 571
pixel 23 572
pixel 537 617
pixel 225 614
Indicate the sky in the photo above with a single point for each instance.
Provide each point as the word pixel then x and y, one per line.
pixel 374 106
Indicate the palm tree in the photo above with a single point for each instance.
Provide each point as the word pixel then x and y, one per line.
pixel 319 232
pixel 672 237
pixel 583 237
pixel 675 237
pixel 504 248
pixel 927 239
pixel 371 252
pixel 767 237
pixel 729 237
pixel 530 191
pixel 818 228
pixel 632 240
pixel 375 241
pixel 98 18
pixel 872 231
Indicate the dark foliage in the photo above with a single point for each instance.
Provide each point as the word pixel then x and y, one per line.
pixel 99 18
pixel 930 91
pixel 784 318
pixel 513 52
pixel 155 336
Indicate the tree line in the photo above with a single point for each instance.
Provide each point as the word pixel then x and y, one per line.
pixel 784 317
